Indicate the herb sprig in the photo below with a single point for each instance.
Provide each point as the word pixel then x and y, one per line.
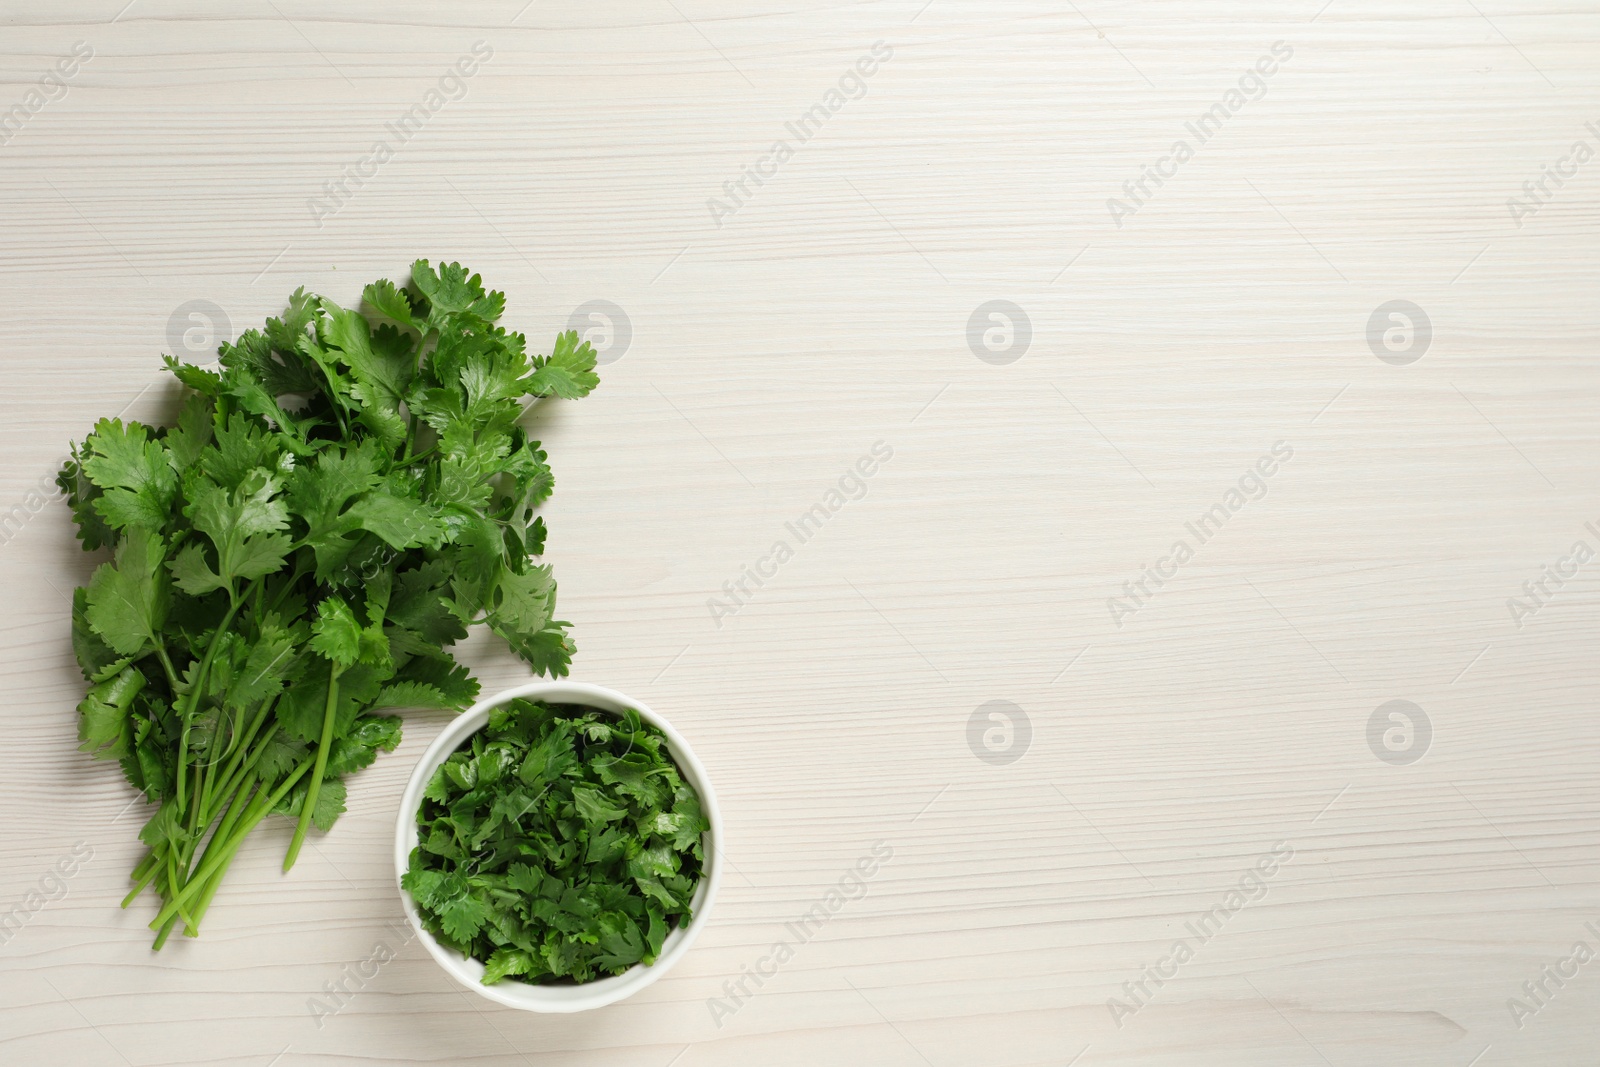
pixel 558 844
pixel 340 499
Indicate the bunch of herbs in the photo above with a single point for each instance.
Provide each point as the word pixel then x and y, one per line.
pixel 341 497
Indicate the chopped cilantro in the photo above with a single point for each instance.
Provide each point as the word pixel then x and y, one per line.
pixel 558 844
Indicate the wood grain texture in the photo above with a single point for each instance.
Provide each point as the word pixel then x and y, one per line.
pixel 1229 713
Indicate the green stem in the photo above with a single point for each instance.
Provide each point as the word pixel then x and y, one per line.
pixel 200 677
pixel 144 880
pixel 261 749
pixel 315 785
pixel 216 856
pixel 201 782
pixel 235 773
pixel 405 447
pixel 224 833
pixel 183 757
pixel 150 860
pixel 161 938
pixel 219 769
pixel 166 663
pixel 238 782
pixel 173 882
pixel 208 774
pixel 424 454
pixel 241 801
pixel 250 732
pixel 258 809
pixel 300 571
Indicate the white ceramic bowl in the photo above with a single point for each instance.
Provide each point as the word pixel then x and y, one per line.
pixel 560 998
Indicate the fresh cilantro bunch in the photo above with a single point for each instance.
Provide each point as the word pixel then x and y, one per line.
pixel 339 501
pixel 559 844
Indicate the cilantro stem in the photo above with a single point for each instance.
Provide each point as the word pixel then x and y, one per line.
pixel 237 778
pixel 200 678
pixel 232 772
pixel 161 938
pixel 210 890
pixel 172 882
pixel 235 729
pixel 261 749
pixel 206 776
pixel 240 800
pixel 259 808
pixel 145 864
pixel 336 401
pixel 183 759
pixel 315 785
pixel 211 772
pixel 166 664
pixel 212 860
pixel 300 570
pixel 229 802
pixel 201 782
pixel 213 882
pixel 144 880
pixel 424 454
pixel 406 446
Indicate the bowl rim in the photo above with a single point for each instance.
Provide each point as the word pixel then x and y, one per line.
pixel 603 991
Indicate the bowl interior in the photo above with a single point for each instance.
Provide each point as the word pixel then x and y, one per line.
pixel 560 998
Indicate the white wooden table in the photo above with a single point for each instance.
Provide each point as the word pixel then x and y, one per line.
pixel 1428 865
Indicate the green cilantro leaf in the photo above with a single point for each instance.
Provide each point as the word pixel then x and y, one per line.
pixel 92 653
pixel 381 374
pixel 390 301
pixel 452 289
pixel 137 481
pixel 128 597
pixel 242 526
pixel 415 695
pixel 336 634
pixel 567 372
pixel 505 962
pixel 360 746
pixel 329 805
pixel 103 715
pixel 463 916
pixel 266 666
